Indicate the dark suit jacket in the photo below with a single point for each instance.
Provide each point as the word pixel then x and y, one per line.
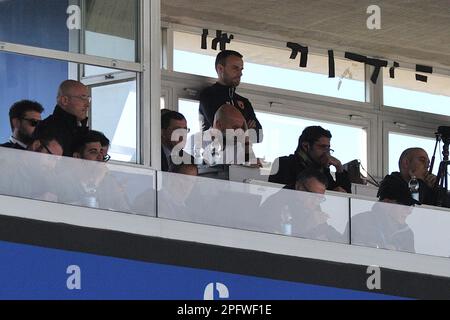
pixel 290 167
pixel 165 166
pixel 65 127
pixel 12 146
pixel 212 98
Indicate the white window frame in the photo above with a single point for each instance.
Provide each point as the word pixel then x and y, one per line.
pixel 377 119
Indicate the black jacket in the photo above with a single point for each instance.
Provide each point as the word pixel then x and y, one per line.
pixel 167 167
pixel 290 167
pixel 212 98
pixel 400 188
pixel 66 127
pixel 12 145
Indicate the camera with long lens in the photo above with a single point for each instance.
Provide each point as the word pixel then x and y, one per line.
pixel 444 133
pixel 441 186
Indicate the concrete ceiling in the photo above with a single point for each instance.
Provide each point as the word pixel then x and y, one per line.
pixel 416 31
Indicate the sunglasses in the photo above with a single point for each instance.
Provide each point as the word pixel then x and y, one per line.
pixel 33 122
pixel 106 158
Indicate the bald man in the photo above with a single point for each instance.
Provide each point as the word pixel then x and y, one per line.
pixel 227 136
pixel 414 162
pixel 70 116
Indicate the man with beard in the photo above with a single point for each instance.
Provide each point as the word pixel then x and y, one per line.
pixel 229 67
pixel 313 151
pixel 24 116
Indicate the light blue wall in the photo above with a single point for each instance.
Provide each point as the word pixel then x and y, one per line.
pixel 39 23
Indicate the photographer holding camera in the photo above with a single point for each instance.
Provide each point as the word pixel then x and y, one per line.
pixel 413 165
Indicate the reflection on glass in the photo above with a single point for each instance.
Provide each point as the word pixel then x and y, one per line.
pixel 383 226
pixel 76 182
pixel 302 215
pixel 114 113
pixel 249 207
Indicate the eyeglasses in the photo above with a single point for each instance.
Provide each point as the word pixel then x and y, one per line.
pixel 106 158
pixel 84 98
pixel 325 147
pixel 33 122
pixel 187 129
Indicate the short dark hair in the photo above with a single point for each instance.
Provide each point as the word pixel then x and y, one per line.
pixel 92 136
pixel 312 173
pixel 393 188
pixel 47 134
pixel 104 141
pixel 18 109
pixel 223 56
pixel 311 135
pixel 166 117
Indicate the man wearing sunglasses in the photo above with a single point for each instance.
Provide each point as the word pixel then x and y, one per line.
pixel 70 117
pixel 313 151
pixel 24 116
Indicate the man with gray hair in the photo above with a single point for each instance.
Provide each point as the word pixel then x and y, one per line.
pixel 70 117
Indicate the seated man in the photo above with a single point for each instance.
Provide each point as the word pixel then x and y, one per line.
pixel 296 214
pixel 32 174
pixel 385 225
pixel 92 146
pixel 24 116
pixel 313 151
pixel 90 183
pixel 173 139
pixel 414 162
pixel 46 141
pixel 227 142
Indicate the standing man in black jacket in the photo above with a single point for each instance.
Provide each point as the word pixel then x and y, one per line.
pixel 229 66
pixel 313 151
pixel 70 118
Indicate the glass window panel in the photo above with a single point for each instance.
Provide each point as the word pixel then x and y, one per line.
pixel 272 67
pixel 110 28
pixel 407 93
pixel 251 207
pixel 77 182
pixel 400 142
pixel 348 142
pixel 23 77
pixel 400 228
pixel 114 112
pixel 39 23
pixel 189 108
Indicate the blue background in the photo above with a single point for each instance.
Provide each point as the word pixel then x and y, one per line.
pixel 40 23
pixel 28 272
